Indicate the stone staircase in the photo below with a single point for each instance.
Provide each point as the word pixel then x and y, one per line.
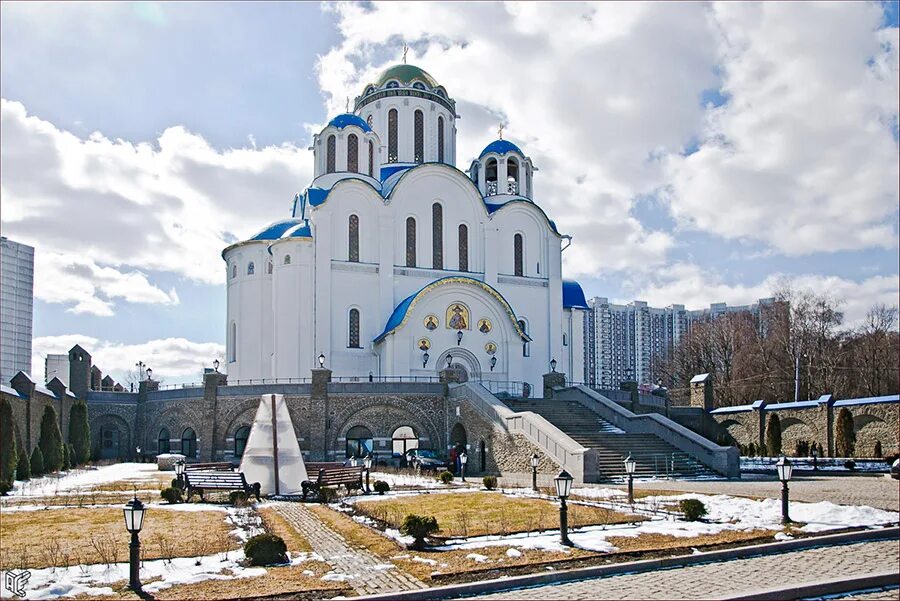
pixel 653 456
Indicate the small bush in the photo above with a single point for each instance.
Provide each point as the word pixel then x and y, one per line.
pixel 773 435
pixel 693 509
pixel 37 462
pixel 5 487
pixel 844 436
pixel 445 477
pixel 328 495
pixel 265 549
pixel 877 452
pixel 238 498
pixel 175 483
pixel 418 527
pixel 171 494
pixel 23 467
pixel 850 464
pixel 381 487
pixel 490 482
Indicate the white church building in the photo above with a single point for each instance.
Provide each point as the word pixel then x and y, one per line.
pixel 396 263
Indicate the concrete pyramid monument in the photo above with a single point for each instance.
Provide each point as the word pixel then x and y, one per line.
pixel 272 455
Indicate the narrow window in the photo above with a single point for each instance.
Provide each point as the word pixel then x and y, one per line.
pixel 490 176
pixel 463 247
pixel 353 227
pixel 440 139
pixel 353 153
pixel 512 176
pixel 517 255
pixel 437 236
pixel 251 268
pixel 565 343
pixel 392 136
pixel 330 155
pixel 524 327
pixel 287 259
pixel 240 440
pixel 233 271
pixel 162 441
pixel 419 132
pixel 410 242
pixel 371 158
pixel 269 268
pixel 232 356
pixel 189 443
pixel 354 328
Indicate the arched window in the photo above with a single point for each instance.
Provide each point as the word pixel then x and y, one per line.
pixel 330 155
pixel 419 136
pixel 490 176
pixel 251 268
pixel 404 439
pixel 233 271
pixel 189 443
pixel 565 340
pixel 463 247
pixel 232 355
pixel 392 135
pixel 287 259
pixel 162 441
pixel 440 139
pixel 353 153
pixel 526 350
pixel 353 329
pixel 437 236
pixel 512 176
pixel 353 239
pixel 410 242
pixel 370 119
pixel 240 440
pixel 359 441
pixel 518 259
pixel 269 267
pixel 371 158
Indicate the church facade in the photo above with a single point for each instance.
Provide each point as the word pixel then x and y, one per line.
pixel 396 263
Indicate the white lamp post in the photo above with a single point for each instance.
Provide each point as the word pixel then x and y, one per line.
pixel 134 519
pixel 352 460
pixel 630 466
pixel 563 486
pixel 785 470
pixel 534 465
pixel 815 456
pixel 463 458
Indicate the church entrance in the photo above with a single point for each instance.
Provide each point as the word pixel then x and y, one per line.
pixel 461 361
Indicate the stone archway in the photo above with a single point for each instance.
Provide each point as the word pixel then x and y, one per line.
pixel 463 361
pixel 458 436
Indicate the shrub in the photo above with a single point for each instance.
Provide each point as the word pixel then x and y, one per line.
pixel 877 452
pixel 418 527
pixel 490 482
pixel 850 464
pixel 845 437
pixel 171 494
pixel 72 456
pixel 79 434
pixel 238 498
pixel 37 462
pixel 265 549
pixel 5 487
pixel 773 436
pixel 801 449
pixel 693 509
pixel 8 457
pixel 327 495
pixel 65 458
pixel 50 441
pixel 751 450
pixel 23 466
pixel 445 477
pixel 381 487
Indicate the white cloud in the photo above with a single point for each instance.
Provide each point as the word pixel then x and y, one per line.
pixel 172 359
pixel 103 213
pixel 801 156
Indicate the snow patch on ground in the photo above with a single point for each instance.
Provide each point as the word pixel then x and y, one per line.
pixel 425 560
pixel 826 464
pixel 477 558
pixel 513 553
pixel 84 478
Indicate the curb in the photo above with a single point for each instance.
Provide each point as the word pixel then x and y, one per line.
pixel 633 567
pixel 821 588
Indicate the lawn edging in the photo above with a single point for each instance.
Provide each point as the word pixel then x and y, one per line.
pixel 821 588
pixel 531 580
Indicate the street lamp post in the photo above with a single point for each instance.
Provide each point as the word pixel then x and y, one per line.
pixel 459 336
pixel 563 486
pixel 134 519
pixel 149 375
pixel 353 461
pixel 449 361
pixel 368 463
pixel 463 458
pixel 815 455
pixel 179 473
pixel 785 470
pixel 630 466
pixel 137 451
pixel 216 365
pixel 553 365
pixel 493 363
pixel 425 359
pixel 321 360
pixel 534 464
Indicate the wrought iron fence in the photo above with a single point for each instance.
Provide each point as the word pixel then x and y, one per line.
pixel 507 389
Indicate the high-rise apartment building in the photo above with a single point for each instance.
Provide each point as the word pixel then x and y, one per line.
pixel 56 366
pixel 16 307
pixel 624 342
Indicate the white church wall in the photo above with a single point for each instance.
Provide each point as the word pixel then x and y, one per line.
pixel 406 108
pixel 292 306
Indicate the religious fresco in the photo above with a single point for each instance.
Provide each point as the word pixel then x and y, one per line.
pixel 457 317
pixel 424 344
pixel 431 322
pixel 490 348
pixel 484 325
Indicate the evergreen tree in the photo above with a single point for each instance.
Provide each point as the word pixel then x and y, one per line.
pixel 37 462
pixel 23 467
pixel 72 456
pixel 8 457
pixel 80 433
pixel 773 436
pixel 65 458
pixel 50 441
pixel 845 437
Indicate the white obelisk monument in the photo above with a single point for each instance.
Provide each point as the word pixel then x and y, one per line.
pixel 272 455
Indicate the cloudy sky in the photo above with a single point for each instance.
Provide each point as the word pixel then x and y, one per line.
pixel 696 152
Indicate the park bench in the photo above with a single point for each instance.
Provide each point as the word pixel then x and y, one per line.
pixel 220 466
pixel 202 481
pixel 333 474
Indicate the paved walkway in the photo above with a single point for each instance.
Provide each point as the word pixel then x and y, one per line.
pixel 363 571
pixel 733 577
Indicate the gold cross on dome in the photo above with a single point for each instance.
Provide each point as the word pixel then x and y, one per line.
pixel 500 131
pixel 405 50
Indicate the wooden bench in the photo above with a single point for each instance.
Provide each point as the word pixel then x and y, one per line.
pixel 201 481
pixel 221 466
pixel 334 475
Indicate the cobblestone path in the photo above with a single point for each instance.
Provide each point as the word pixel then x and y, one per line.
pixel 733 577
pixel 363 571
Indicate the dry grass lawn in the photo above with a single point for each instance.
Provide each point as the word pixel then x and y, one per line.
pixel 481 513
pixel 653 542
pixel 60 537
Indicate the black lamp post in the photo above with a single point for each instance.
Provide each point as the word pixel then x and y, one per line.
pixel 630 466
pixel 134 519
pixel 179 473
pixel 368 463
pixel 563 486
pixel 785 470
pixel 321 360
pixel 459 336
pixel 425 359
pixel 137 451
pixel 493 363
pixel 449 361
pixel 553 365
pixel 534 464
pixel 815 456
pixel 149 375
pixel 463 458
pixel 216 365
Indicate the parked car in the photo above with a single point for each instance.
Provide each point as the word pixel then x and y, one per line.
pixel 425 459
pixel 895 470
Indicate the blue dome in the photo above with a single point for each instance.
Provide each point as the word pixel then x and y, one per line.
pixel 275 230
pixel 501 147
pixel 573 295
pixel 342 121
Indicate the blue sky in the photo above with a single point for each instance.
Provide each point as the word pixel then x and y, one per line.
pixel 727 146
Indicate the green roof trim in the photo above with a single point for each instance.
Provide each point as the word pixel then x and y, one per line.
pixel 405 74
